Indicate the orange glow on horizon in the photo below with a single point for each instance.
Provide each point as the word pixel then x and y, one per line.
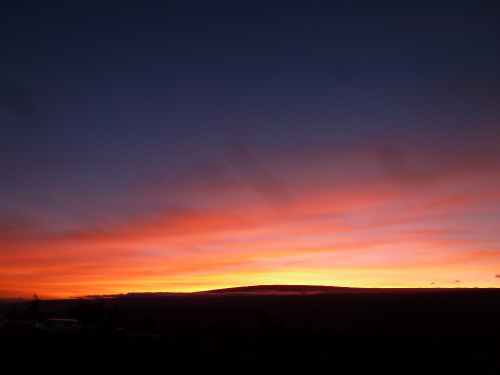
pixel 336 232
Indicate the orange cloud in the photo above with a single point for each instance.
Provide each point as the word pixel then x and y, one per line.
pixel 347 225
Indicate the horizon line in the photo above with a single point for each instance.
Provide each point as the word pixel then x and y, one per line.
pixel 229 290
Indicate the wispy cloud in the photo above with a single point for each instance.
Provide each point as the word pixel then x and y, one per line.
pixel 346 218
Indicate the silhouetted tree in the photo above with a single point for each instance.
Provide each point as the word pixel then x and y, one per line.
pixel 33 309
pixel 89 313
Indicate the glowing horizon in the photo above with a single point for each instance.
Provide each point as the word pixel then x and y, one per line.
pixel 394 234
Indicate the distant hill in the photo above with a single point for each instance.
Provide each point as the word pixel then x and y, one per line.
pixel 280 289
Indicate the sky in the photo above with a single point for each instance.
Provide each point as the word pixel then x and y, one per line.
pixel 192 145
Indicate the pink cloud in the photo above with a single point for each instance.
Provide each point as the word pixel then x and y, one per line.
pixel 341 210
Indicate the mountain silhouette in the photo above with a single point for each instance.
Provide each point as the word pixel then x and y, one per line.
pixel 281 289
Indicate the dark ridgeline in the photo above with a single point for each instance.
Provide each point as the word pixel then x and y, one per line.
pixel 269 329
pixel 281 289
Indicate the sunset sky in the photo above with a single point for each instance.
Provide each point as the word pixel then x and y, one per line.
pixel 186 146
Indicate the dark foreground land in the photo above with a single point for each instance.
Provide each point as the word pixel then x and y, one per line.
pixel 375 331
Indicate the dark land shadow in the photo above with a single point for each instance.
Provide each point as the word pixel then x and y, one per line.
pixel 372 330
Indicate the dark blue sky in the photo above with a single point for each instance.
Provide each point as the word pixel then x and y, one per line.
pixel 99 78
pixel 102 101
